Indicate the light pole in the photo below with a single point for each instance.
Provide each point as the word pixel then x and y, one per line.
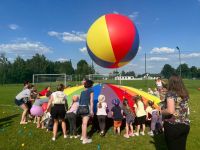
pixel 179 59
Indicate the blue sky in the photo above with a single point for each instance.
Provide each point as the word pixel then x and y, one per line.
pixel 58 29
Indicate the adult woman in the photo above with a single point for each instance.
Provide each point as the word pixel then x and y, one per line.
pixel 86 109
pixel 58 101
pixel 21 100
pixel 176 122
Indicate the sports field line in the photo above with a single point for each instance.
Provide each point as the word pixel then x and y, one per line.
pixel 3 105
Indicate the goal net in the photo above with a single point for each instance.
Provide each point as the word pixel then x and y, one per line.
pixel 43 80
pixel 105 78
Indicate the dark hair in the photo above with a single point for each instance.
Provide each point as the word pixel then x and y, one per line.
pixel 26 82
pixel 34 95
pixel 137 98
pixel 176 85
pixel 60 87
pixel 48 93
pixel 150 103
pixel 88 83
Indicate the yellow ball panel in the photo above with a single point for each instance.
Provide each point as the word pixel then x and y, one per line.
pixel 120 64
pixel 98 40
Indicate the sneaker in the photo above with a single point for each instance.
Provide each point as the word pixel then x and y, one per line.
pixel 150 133
pixel 65 136
pixel 87 141
pixel 137 134
pixel 71 136
pixel 53 138
pixel 142 133
pixel 76 136
pixel 81 138
pixel 126 136
pixel 23 122
pixel 132 134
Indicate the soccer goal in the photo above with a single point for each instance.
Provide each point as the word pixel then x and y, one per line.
pixel 51 79
pixel 105 78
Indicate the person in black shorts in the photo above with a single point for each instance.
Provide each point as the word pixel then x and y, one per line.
pixel 58 101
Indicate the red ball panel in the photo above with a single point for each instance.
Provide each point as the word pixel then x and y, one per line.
pixel 122 33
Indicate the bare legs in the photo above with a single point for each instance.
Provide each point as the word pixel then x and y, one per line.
pixel 55 128
pixel 25 110
pixel 84 127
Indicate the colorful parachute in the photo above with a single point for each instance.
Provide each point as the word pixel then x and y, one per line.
pixel 111 92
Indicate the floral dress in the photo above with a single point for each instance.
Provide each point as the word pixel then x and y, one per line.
pixel 181 114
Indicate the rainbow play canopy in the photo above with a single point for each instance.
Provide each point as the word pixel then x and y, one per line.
pixel 111 92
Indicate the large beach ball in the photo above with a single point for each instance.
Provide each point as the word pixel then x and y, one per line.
pixel 112 41
pixel 36 111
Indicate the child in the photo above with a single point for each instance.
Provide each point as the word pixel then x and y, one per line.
pixel 71 115
pixel 117 115
pixel 156 119
pixel 20 100
pixel 101 113
pixel 156 92
pixel 150 91
pixel 140 114
pixel 129 118
pixel 44 92
pixel 38 103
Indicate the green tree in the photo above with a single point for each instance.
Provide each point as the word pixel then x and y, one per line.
pixel 84 69
pixel 123 73
pixel 167 71
pixel 19 70
pixel 130 73
pixel 194 72
pixel 185 70
pixel 5 65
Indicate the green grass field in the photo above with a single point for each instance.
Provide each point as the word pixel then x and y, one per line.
pixel 13 135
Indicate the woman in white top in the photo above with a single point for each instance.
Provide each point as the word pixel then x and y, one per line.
pixel 58 101
pixel 101 113
pixel 140 115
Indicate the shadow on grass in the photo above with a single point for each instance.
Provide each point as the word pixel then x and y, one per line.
pixel 6 121
pixel 159 142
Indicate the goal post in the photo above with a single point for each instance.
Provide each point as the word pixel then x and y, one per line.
pixel 105 78
pixel 51 79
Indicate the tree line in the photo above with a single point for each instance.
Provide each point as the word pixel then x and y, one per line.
pixel 186 72
pixel 21 70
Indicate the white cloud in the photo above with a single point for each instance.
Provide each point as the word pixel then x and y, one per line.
pixel 83 49
pixel 115 12
pixel 132 65
pixel 62 59
pixel 191 55
pixel 25 47
pixel 162 50
pixel 13 26
pixel 157 59
pixel 140 48
pixel 74 36
pixel 133 15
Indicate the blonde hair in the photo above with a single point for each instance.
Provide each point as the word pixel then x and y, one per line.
pixel 101 98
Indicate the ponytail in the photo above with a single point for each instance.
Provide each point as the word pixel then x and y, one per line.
pixel 100 105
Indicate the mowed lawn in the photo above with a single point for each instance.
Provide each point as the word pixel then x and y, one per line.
pixel 14 136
